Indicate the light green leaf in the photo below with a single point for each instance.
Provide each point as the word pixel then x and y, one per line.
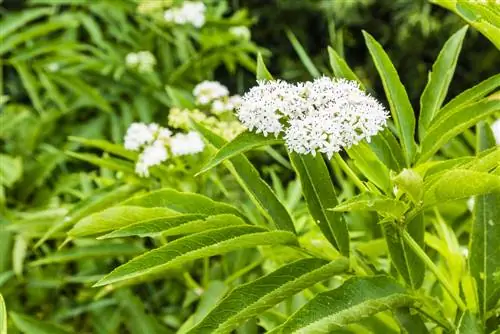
pixel 256 188
pixel 459 183
pixel 175 225
pixel 182 202
pixel 341 69
pixel 89 252
pixel 370 165
pixel 320 195
pixel 484 258
pixel 106 162
pixel 468 324
pixel 196 246
pixel 262 72
pixel 251 299
pixel 244 142
pixel 304 57
pixel 30 83
pixel 401 109
pixel 411 183
pixel 106 146
pixel 115 218
pixel 439 80
pixel 356 299
pixel 455 122
pixel 385 206
pixel 31 325
pixel 16 20
pixel 3 316
pixel 388 150
pixel 11 169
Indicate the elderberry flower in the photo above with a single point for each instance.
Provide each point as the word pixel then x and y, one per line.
pixel 208 91
pixel 191 12
pixel 138 134
pixel 152 155
pixel 495 127
pixel 183 144
pixel 142 61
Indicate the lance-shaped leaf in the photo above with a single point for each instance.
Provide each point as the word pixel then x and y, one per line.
pixel 485 237
pixel 3 316
pixel 304 57
pixel 401 109
pixel 320 195
pixel 175 225
pixel 251 299
pixel 107 162
pixel 467 324
pixel 182 203
pixel 356 299
pixel 115 218
pixel 385 206
pixel 407 263
pixel 411 183
pixel 257 189
pixel 439 80
pixel 106 146
pixel 455 122
pixel 341 69
pixel 388 150
pixel 242 143
pixel 90 252
pixel 262 72
pixel 196 246
pixel 370 165
pixel 31 325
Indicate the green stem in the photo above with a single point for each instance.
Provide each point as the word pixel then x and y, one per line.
pixel 440 277
pixel 350 173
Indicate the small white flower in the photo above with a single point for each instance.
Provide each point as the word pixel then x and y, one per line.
pixel 53 67
pixel 142 61
pixel 138 134
pixel 152 155
pixel 208 91
pixel 495 127
pixel 218 107
pixel 191 12
pixel 183 144
pixel 240 32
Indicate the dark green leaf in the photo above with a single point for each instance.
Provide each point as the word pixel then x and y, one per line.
pixel 33 326
pixel 306 60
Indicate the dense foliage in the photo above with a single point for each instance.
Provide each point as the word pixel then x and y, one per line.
pixel 110 223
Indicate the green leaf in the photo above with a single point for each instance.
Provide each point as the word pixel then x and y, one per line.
pixel 439 80
pixel 453 123
pixel 115 218
pixel 106 146
pixel 401 109
pixel 320 195
pixel 256 188
pixel 33 326
pixel 175 225
pixel 251 299
pixel 306 60
pixel 411 322
pixel 385 206
pixel 370 165
pixel 3 316
pixel 197 246
pixel 244 142
pixel 388 150
pixel 411 183
pixel 459 183
pixel 106 162
pixel 262 72
pixel 468 324
pixel 182 202
pixel 341 69
pixel 407 263
pixel 30 83
pixel 16 20
pixel 89 252
pixel 11 170
pixel 356 299
pixel 484 258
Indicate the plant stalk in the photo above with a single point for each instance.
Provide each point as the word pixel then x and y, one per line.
pixel 350 173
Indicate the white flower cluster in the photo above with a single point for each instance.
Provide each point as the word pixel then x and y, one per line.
pixel 324 115
pixel 240 32
pixel 216 94
pixel 154 142
pixel 191 12
pixel 143 61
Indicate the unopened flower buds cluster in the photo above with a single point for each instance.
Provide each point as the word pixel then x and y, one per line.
pixel 324 115
pixel 156 144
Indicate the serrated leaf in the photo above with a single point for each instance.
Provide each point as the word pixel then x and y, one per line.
pixel 3 316
pixel 89 252
pixel 385 206
pixel 455 122
pixel 484 258
pixel 262 72
pixel 115 218
pixel 439 80
pixel 244 142
pixel 460 183
pixel 175 225
pixel 251 299
pixel 401 109
pixel 320 195
pixel 31 325
pixel 182 202
pixel 356 299
pixel 370 165
pixel 341 69
pixel 256 188
pixel 192 247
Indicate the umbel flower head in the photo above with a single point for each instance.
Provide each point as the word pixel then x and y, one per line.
pixel 142 61
pixel 155 144
pixel 324 115
pixel 191 12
